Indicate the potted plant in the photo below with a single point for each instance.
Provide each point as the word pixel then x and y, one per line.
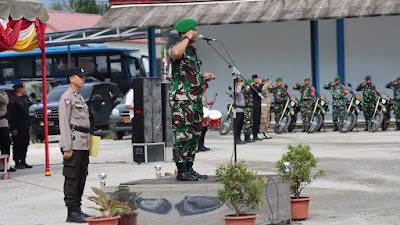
pixel 297 165
pixel 241 190
pixel 128 216
pixel 109 207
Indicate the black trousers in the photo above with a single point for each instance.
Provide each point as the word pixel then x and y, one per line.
pixel 203 135
pixel 75 172
pixel 256 118
pixel 20 144
pixel 5 141
pixel 238 124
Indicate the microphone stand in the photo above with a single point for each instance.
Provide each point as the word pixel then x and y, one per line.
pixel 236 74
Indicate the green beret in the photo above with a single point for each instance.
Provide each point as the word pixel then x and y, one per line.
pixel 278 79
pixel 398 77
pixel 336 78
pixel 185 25
pixel 249 80
pixel 368 78
pixel 307 78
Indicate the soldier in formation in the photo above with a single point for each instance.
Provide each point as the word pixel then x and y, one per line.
pixel 395 86
pixel 339 96
pixel 280 97
pixel 265 108
pixel 307 93
pixel 370 94
pixel 248 111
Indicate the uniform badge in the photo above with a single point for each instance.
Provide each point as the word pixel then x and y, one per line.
pixel 67 102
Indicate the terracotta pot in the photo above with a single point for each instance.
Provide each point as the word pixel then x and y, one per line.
pixel 99 220
pixel 300 208
pixel 240 220
pixel 128 219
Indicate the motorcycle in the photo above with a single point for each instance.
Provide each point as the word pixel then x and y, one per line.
pixel 381 117
pixel 321 106
pixel 227 123
pixel 354 107
pixel 288 119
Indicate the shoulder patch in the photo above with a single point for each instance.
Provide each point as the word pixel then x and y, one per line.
pixel 12 101
pixel 67 102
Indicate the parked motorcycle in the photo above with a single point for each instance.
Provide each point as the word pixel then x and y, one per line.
pixel 354 107
pixel 321 106
pixel 288 119
pixel 381 116
pixel 227 123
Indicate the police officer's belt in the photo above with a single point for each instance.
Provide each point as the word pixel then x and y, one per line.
pixel 80 129
pixel 3 116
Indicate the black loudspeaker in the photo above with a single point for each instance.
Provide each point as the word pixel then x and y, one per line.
pixel 139 154
pixel 166 114
pixel 147 124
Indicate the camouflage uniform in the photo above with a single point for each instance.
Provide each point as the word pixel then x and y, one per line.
pixel 248 110
pixel 396 99
pixel 280 98
pixel 339 96
pixel 307 94
pixel 186 104
pixel 370 94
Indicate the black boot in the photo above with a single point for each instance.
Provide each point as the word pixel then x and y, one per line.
pixel 335 127
pixel 304 128
pixel 398 126
pixel 256 138
pixel 366 126
pixel 266 136
pixel 12 169
pixel 183 174
pixel 19 165
pixel 25 165
pixel 247 138
pixel 74 216
pixel 189 169
pixel 80 211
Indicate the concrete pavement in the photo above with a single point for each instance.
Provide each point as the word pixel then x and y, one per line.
pixel 361 185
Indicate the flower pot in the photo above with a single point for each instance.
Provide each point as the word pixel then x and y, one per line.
pixel 128 219
pixel 300 208
pixel 100 220
pixel 240 220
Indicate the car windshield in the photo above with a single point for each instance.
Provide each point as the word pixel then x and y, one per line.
pixel 55 94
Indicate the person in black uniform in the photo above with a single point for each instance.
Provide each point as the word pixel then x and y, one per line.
pixel 256 106
pixel 5 141
pixel 19 122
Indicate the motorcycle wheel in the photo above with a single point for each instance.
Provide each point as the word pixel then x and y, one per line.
pixel 376 122
pixel 347 123
pixel 385 125
pixel 292 124
pixel 283 124
pixel 315 123
pixel 226 126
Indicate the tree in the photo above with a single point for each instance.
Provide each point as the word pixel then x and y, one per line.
pixel 59 6
pixel 91 6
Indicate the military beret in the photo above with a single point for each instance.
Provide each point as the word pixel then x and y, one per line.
pixel 337 78
pixel 307 78
pixel 249 80
pixel 255 76
pixel 18 85
pixel 278 79
pixel 75 71
pixel 238 80
pixel 398 77
pixel 368 77
pixel 185 25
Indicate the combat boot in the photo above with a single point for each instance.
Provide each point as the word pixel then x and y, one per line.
pixel 84 215
pixel 189 169
pixel 74 216
pixel 335 127
pixel 398 126
pixel 248 139
pixel 23 162
pixel 366 126
pixel 183 174
pixel 304 129
pixel 19 165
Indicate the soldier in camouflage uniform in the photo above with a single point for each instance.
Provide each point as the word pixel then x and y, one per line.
pixel 307 93
pixel 339 96
pixel 248 111
pixel 396 99
pixel 370 94
pixel 280 97
pixel 186 99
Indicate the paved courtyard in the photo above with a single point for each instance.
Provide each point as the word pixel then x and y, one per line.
pixel 361 186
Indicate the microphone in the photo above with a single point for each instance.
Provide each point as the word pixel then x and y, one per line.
pixel 206 38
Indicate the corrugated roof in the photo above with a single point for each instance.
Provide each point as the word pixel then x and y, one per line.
pixel 61 21
pixel 242 11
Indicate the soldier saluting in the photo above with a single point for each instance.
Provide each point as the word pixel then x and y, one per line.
pixel 307 93
pixel 339 95
pixel 280 97
pixel 74 142
pixel 395 85
pixel 186 99
pixel 370 94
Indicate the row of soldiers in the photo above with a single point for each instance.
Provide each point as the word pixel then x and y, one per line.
pixel 308 97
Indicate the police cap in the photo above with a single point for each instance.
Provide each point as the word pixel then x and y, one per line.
pixel 18 85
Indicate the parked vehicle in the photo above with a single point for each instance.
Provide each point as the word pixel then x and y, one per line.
pixel 354 107
pixel 227 123
pixel 321 106
pixel 289 116
pixel 101 97
pixel 381 116
pixel 119 122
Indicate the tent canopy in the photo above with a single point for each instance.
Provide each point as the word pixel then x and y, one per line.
pixel 27 9
pixel 242 11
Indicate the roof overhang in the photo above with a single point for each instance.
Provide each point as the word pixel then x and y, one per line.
pixel 242 11
pixel 28 9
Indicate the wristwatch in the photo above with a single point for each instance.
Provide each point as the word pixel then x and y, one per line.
pixel 186 37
